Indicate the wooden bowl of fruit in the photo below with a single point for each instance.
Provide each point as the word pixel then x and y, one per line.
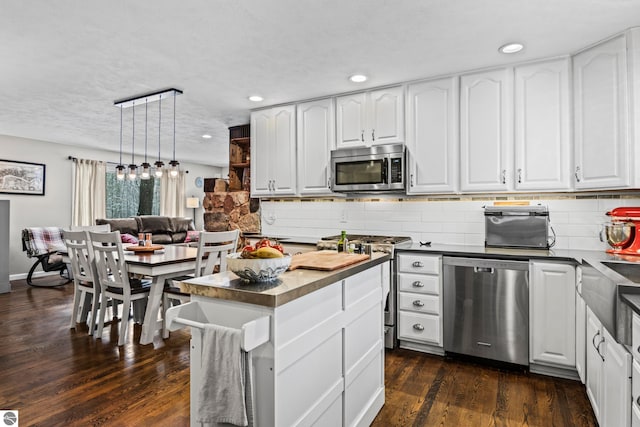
pixel 260 263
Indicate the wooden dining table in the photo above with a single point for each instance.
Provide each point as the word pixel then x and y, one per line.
pixel 171 261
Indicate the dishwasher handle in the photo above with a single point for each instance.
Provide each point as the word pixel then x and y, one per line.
pixel 489 270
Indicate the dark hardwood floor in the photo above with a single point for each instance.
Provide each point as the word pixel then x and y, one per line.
pixel 56 376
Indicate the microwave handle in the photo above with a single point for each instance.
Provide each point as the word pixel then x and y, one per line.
pixel 385 170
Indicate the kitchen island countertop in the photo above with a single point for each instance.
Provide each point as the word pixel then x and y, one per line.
pixel 288 287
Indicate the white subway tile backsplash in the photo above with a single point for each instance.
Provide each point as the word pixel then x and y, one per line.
pixel 577 222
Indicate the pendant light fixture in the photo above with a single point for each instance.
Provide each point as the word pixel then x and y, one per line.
pixel 145 173
pixel 173 172
pixel 133 169
pixel 146 167
pixel 159 164
pixel 120 167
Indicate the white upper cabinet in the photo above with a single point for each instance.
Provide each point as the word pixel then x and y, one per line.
pixel 601 116
pixel 432 136
pixel 316 138
pixel 370 118
pixel 486 130
pixel 273 145
pixel 542 126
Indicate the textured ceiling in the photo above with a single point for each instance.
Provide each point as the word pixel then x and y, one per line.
pixel 64 62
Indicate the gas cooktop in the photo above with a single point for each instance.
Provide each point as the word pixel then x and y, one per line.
pixel 364 238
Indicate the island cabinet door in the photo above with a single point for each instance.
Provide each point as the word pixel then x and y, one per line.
pixel 363 347
pixel 329 354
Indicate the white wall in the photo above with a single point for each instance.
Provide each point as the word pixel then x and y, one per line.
pixel 54 208
pixel 576 219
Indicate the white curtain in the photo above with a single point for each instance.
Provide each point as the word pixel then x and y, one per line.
pixel 172 198
pixel 89 192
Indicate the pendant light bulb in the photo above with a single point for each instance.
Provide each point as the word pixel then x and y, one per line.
pixel 173 164
pixel 133 169
pixel 173 168
pixel 145 167
pixel 120 172
pixel 120 167
pixel 159 164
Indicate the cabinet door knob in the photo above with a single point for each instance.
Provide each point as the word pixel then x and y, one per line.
pixel 418 303
pixel 577 174
pixel 638 401
pixel 418 327
pixel 418 284
pixel 418 264
pixel 519 176
pixel 504 176
pixel 638 349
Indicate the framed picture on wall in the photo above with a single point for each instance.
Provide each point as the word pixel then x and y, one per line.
pixel 22 177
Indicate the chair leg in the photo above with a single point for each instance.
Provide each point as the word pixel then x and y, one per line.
pixel 124 323
pixel 165 307
pixel 103 311
pixel 74 309
pixel 95 302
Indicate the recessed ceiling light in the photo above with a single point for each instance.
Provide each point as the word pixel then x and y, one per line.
pixel 511 48
pixel 206 136
pixel 255 98
pixel 358 78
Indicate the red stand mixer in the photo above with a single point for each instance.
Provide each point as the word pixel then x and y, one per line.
pixel 622 232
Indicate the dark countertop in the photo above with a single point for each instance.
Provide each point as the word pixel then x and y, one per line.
pixel 628 290
pixel 289 286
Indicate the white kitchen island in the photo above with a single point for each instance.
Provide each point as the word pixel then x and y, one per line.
pixel 323 359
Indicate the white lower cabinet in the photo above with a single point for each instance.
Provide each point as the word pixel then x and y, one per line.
pixel 581 313
pixel 420 302
pixel 608 375
pixel 324 362
pixel 594 361
pixel 552 321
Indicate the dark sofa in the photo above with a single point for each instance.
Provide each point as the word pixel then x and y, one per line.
pixel 163 229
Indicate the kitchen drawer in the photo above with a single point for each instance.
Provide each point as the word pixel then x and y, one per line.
pixel 420 283
pixel 419 303
pixel 635 337
pixel 425 264
pixel 420 327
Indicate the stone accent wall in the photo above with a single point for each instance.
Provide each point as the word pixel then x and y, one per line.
pixel 230 210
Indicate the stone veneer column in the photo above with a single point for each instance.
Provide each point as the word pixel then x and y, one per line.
pixel 231 210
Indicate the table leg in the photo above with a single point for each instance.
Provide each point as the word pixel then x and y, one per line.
pixel 150 324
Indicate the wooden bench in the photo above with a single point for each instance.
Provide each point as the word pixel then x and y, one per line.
pixel 44 244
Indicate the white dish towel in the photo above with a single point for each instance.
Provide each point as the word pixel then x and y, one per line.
pixel 225 395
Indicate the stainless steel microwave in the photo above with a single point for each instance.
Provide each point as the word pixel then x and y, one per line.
pixel 368 169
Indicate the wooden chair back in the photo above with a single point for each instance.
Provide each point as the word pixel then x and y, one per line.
pixel 109 261
pixel 213 248
pixel 81 257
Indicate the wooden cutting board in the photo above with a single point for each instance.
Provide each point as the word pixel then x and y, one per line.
pixel 325 260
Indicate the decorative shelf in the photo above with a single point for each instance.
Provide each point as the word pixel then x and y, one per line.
pixel 240 165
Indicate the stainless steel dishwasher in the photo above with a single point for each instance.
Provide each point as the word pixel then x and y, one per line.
pixel 486 308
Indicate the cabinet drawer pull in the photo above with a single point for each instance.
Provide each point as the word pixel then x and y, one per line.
pixel 418 284
pixel 519 176
pixel 504 176
pixel 418 303
pixel 418 327
pixel 418 264
pixel 362 135
pixel 577 174
pixel 373 135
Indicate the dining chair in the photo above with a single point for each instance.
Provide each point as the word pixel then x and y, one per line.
pixel 85 278
pixel 213 248
pixel 113 276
